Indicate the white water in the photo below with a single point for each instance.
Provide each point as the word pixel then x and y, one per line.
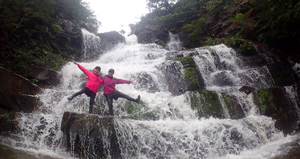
pixel 178 133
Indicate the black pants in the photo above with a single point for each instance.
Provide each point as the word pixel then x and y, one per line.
pixel 89 93
pixel 115 95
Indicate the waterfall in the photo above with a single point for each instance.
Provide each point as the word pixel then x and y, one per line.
pixel 224 71
pixel 176 132
pixel 91 45
pixel 174 44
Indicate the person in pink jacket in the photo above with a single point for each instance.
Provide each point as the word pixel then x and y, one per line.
pixel 110 92
pixel 92 85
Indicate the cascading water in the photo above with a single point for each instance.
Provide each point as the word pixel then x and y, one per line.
pixel 176 132
pixel 174 43
pixel 91 45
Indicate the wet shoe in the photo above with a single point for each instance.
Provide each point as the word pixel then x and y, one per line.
pixel 138 99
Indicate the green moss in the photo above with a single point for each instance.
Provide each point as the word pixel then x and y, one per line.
pixel 189 72
pixel 187 59
pixel 209 104
pixel 266 98
pixel 213 102
pixel 282 79
pixel 161 43
pixel 227 100
pixel 196 102
pixel 139 111
pixel 7 115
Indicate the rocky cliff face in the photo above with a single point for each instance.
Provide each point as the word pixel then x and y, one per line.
pixel 17 94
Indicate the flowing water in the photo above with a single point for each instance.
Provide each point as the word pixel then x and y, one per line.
pixel 177 132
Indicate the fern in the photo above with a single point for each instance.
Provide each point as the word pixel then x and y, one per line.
pixel 238 19
pixel 189 27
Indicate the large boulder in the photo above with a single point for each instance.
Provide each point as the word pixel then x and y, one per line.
pixel 42 76
pixel 17 93
pixel 276 103
pixel 282 73
pixel 110 40
pixel 181 75
pixel 177 83
pixel 207 104
pixel 8 121
pixel 234 107
pixel 90 135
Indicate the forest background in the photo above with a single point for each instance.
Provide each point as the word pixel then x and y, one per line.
pixel 38 32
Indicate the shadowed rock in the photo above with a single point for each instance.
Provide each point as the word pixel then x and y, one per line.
pixel 275 103
pixel 90 135
pixel 17 93
pixel 282 73
pixel 234 107
pixel 246 89
pixel 207 104
pixel 43 77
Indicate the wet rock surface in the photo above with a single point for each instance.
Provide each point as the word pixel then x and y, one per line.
pixel 17 93
pixel 276 103
pixel 90 135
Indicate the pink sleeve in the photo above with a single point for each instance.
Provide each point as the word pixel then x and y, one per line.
pixel 84 70
pixel 120 81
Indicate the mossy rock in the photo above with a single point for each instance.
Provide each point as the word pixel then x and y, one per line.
pixel 275 103
pixel 234 107
pixel 282 73
pixel 287 122
pixel 139 111
pixel 191 73
pixel 207 104
pixel 86 134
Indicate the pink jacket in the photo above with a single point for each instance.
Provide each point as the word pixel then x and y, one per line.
pixel 94 79
pixel 110 83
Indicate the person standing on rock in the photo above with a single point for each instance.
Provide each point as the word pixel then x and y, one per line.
pixel 110 92
pixel 92 85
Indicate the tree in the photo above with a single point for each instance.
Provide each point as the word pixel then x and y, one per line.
pixel 31 34
pixel 154 5
pixel 195 29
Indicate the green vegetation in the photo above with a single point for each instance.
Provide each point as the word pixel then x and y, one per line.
pixel 195 28
pixel 196 103
pixel 207 104
pixel 161 43
pixel 7 115
pixel 266 98
pixel 189 72
pixel 212 100
pixel 37 80
pixel 211 22
pixel 139 111
pixel 32 32
pixel 227 100
pixel 281 79
pixel 247 48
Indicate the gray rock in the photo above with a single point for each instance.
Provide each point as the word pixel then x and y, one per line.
pixel 17 93
pixel 89 134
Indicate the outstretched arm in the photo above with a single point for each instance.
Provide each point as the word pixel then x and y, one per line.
pixel 121 81
pixel 84 70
